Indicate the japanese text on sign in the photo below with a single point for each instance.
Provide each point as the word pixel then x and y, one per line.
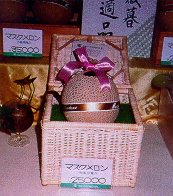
pixel 22 42
pixel 108 9
pixel 91 173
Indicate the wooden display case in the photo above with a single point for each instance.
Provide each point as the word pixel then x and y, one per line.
pixel 163 28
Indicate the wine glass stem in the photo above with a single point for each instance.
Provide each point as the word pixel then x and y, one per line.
pixel 18 136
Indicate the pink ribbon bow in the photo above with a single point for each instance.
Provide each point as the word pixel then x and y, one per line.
pixel 100 68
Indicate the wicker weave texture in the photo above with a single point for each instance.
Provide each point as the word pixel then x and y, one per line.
pixel 91 142
pixel 117 141
pixel 117 52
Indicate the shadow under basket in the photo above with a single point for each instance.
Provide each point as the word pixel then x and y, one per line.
pixel 119 141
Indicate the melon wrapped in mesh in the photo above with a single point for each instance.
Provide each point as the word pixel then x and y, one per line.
pixel 84 101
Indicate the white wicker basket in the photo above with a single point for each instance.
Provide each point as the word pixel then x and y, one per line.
pixel 118 141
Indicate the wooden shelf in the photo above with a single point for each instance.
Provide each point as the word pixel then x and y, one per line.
pixel 48 30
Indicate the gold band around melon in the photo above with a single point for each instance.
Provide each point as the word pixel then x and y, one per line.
pixel 91 106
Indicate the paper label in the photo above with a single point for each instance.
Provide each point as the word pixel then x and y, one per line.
pixel 94 51
pixel 167 51
pixel 86 173
pixel 22 42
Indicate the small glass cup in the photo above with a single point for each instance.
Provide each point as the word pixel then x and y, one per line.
pixel 17 119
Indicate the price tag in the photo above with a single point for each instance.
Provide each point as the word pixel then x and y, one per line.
pixel 22 42
pixel 167 51
pixel 86 173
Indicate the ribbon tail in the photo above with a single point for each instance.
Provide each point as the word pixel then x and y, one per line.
pixel 81 54
pixel 103 79
pixel 67 71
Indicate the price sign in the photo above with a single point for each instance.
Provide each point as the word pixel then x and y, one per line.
pixel 22 42
pixel 86 173
pixel 167 51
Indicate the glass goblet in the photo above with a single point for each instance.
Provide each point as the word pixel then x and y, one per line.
pixel 17 120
